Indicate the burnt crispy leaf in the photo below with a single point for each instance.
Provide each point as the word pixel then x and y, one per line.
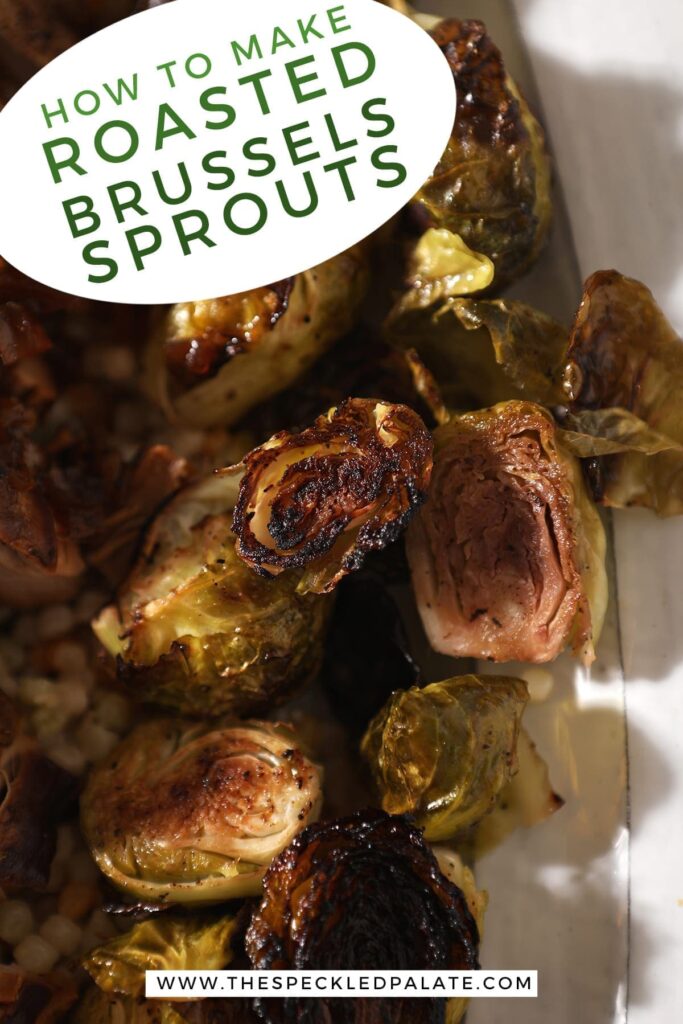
pixel 195 630
pixel 492 185
pixel 35 795
pixel 507 556
pixel 590 433
pixel 444 752
pixel 322 499
pixel 625 358
pixel 360 892
pixel 188 813
pixel 161 944
pixel 484 352
pixel 211 362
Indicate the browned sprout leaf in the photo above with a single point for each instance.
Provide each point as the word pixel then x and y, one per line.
pixel 624 380
pixel 163 943
pixel 212 361
pixel 320 500
pixel 442 753
pixel 97 1007
pixel 492 185
pixel 507 556
pixel 405 915
pixel 35 794
pixel 183 812
pixel 483 352
pixel 34 999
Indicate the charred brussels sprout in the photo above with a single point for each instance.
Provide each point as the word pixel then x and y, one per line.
pixel 323 498
pixel 492 185
pixel 195 630
pixel 210 362
pixel 406 914
pixel 507 556
pixel 162 943
pixel 35 795
pixel 443 753
pixel 624 380
pixel 188 813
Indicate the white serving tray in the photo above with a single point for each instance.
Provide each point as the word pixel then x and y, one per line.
pixel 593 898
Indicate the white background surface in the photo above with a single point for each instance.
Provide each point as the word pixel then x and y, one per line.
pixel 596 908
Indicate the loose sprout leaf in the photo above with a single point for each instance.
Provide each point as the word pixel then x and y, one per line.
pixel 188 813
pixel 320 500
pixel 195 630
pixel 35 795
pixel 161 944
pixel 210 362
pixel 625 358
pixel 492 184
pixel 507 555
pixel 331 900
pixel 442 266
pixel 443 753
pixel 482 352
pixel 526 800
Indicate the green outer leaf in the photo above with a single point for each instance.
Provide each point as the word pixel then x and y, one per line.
pixel 443 753
pixel 161 943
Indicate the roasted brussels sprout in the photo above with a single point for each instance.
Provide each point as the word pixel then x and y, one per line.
pixel 443 753
pixel 195 630
pixel 507 556
pixel 323 498
pixel 34 999
pixel 188 813
pixel 211 362
pixel 483 352
pixel 624 380
pixel 35 795
pixel 492 185
pixel 406 914
pixel 161 943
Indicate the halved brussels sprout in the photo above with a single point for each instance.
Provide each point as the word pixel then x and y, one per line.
pixel 507 556
pixel 195 630
pixel 161 943
pixel 483 352
pixel 624 378
pixel 444 752
pixel 212 361
pixel 363 892
pixel 35 794
pixel 188 813
pixel 492 185
pixel 323 498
